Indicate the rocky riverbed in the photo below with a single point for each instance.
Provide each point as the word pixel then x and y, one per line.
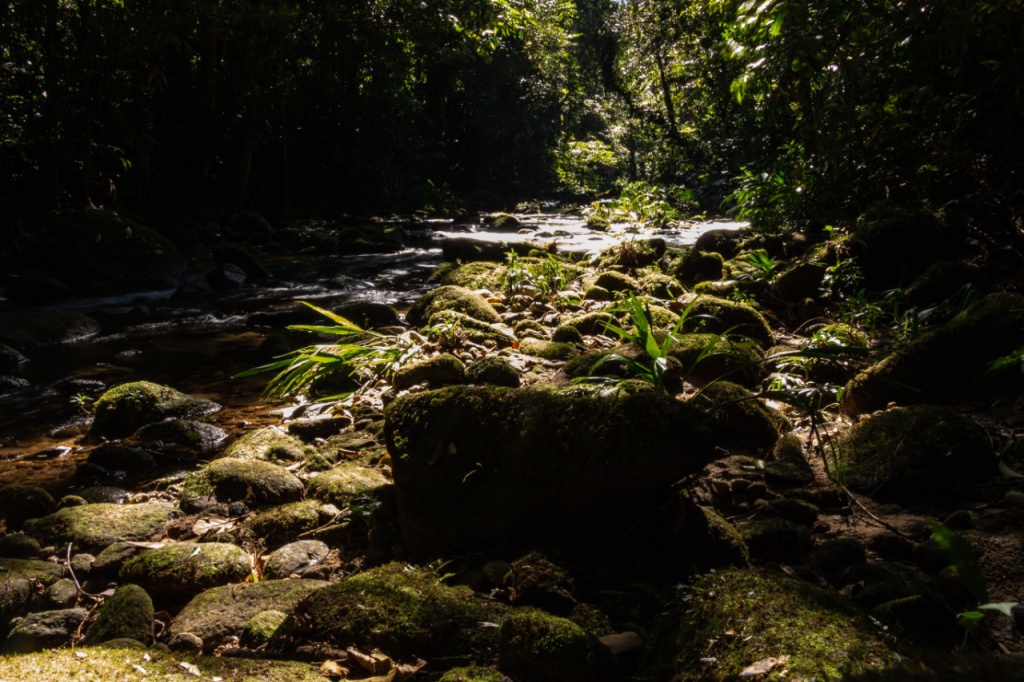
pixel 624 464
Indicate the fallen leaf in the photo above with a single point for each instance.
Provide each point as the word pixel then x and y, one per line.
pixel 407 670
pixel 81 654
pixel 333 670
pixel 212 524
pixel 190 668
pixel 146 545
pixel 763 667
pixel 139 668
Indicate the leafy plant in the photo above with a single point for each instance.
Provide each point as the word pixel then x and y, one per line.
pixel 82 402
pixel 546 278
pixel 1008 362
pixel 363 355
pixel 767 266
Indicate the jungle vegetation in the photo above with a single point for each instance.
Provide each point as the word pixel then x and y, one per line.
pixel 782 111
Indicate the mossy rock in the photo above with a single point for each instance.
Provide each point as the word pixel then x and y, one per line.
pixel 176 436
pixel 697 266
pixel 941 281
pixel 465 457
pixel 19 546
pixel 22 501
pixel 129 613
pixel 107 663
pixel 177 572
pixel 451 298
pixel 916 453
pixel 445 324
pixel 590 323
pixel 261 628
pixel 567 334
pixel 45 572
pixel 494 371
pixel 530 327
pixel 776 540
pixel 536 646
pixel 278 525
pixel 547 350
pixel 345 482
pixel 222 612
pixel 437 371
pixel 708 357
pixel 948 364
pixel 269 443
pixel 46 328
pixel 476 275
pixel 44 630
pixel 722 316
pixel 501 222
pixel 708 541
pixel 740 415
pixel 115 457
pixel 660 286
pixel 123 409
pixel 92 527
pixel 613 281
pixel 771 616
pixel 253 481
pixel 15 594
pixel 940 668
pixel 723 241
pixel 634 253
pixel 473 673
pixel 534 580
pixel 403 610
pixel 800 281
pixel 369 314
pixel 296 555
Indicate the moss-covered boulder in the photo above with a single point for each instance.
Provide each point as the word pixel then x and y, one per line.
pixel 270 443
pixel 177 572
pixel 369 314
pixel 800 281
pixel 261 628
pixel 948 364
pixel 22 501
pixel 451 298
pixel 723 241
pixel 345 482
pixel 45 328
pixel 116 457
pixel 476 275
pixel 474 464
pixel 45 572
pixel 182 437
pixel 403 610
pixel 44 630
pixel 449 325
pixel 277 525
pixel 740 416
pixel 740 617
pixel 534 580
pixel 123 409
pixel 547 350
pixel 222 612
pixel 708 357
pixel 252 481
pixel 722 316
pixel 664 287
pixel 707 540
pixel 494 371
pixel 440 370
pixel 15 593
pixel 293 557
pixel 19 546
pixel 92 527
pixel 536 646
pixel 916 453
pixel 129 613
pixel 110 663
pixel 614 281
pixel 590 323
pixel 698 266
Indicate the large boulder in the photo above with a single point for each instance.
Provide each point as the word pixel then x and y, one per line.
pixel 451 298
pixel 177 572
pixel 740 617
pixel 475 464
pixel 34 570
pixel 44 630
pixel 92 527
pixel 948 364
pixel 722 316
pixel 269 443
pixel 920 452
pixel 22 501
pixel 222 612
pixel 294 557
pixel 123 409
pixel 346 481
pixel 45 328
pixel 253 481
pixel 534 645
pixel 402 610
pixel 709 357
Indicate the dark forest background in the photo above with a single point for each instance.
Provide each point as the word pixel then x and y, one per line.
pixel 781 111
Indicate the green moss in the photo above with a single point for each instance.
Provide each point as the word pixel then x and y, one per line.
pixel 253 481
pixel 285 522
pixel 532 328
pixel 123 409
pixel 537 646
pixel 95 526
pixel 346 481
pixel 741 417
pixel 697 266
pixel 261 627
pixel 590 323
pixel 269 443
pixel 662 286
pixel 19 502
pixel 720 316
pixel 447 324
pixel 45 572
pixel 402 610
pixel 129 613
pixel 738 617
pixel 476 275
pixel 493 370
pixel 101 663
pixel 451 298
pixel 472 674
pixel 178 572
pixel 708 357
pixel 615 281
pixel 547 350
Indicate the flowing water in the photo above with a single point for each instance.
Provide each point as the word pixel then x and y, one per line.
pixel 197 343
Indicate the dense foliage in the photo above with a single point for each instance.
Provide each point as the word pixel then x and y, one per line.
pixel 789 110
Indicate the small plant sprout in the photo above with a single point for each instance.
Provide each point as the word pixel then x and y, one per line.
pixel 82 402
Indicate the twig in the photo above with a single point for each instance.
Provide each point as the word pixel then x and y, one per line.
pixel 875 518
pixel 78 585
